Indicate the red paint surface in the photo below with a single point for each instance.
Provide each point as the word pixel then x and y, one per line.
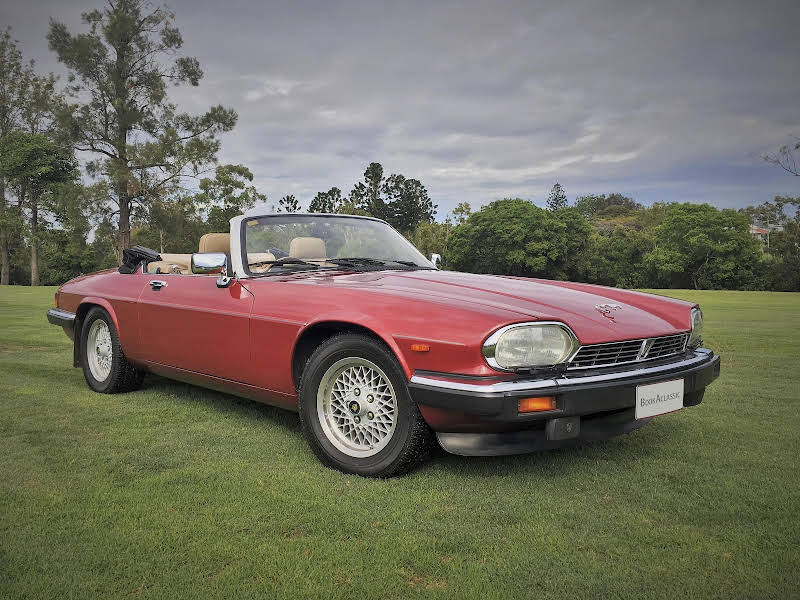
pixel 246 333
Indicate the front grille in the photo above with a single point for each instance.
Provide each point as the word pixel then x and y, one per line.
pixel 630 351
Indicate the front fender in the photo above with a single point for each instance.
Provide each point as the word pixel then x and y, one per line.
pixel 363 321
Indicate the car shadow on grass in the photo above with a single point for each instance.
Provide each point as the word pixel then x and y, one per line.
pixel 222 402
pixel 618 453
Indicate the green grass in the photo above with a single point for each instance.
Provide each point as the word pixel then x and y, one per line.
pixel 177 492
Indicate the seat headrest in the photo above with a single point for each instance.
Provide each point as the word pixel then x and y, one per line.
pixel 307 247
pixel 215 242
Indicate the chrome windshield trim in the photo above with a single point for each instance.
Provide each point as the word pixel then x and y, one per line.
pixel 700 356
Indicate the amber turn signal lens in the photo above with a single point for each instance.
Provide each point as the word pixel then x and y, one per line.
pixel 420 347
pixel 527 405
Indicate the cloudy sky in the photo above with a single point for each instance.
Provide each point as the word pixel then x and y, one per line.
pixel 661 101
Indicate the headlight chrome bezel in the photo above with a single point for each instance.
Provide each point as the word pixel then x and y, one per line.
pixel 696 332
pixel 490 344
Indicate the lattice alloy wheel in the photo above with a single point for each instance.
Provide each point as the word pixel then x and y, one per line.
pixel 99 350
pixel 357 407
pixel 356 410
pixel 105 367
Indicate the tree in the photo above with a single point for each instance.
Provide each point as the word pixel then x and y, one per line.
pixel 515 237
pixel 785 248
pixel 366 195
pixel 227 195
pixel 408 203
pixel 432 238
pixel 172 224
pixel 65 252
pixel 771 213
pixel 15 83
pixel 617 256
pixel 462 212
pixel 122 115
pixel 605 206
pixel 289 204
pixel 698 246
pixel 34 165
pixel 327 202
pixel 557 198
pixel 787 157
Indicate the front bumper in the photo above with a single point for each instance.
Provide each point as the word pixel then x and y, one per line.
pixel 62 318
pixel 476 417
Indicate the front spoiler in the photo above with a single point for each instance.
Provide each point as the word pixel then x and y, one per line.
pixel 596 427
pixel 473 417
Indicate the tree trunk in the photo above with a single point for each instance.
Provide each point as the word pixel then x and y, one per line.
pixel 121 187
pixel 34 244
pixel 124 225
pixel 4 266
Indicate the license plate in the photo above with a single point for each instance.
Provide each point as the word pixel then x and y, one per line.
pixel 659 398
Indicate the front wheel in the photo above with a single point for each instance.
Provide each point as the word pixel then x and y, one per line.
pixel 105 367
pixel 356 412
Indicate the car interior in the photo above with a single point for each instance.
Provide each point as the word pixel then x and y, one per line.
pixel 304 248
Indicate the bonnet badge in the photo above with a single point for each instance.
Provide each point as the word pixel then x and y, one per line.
pixel 607 309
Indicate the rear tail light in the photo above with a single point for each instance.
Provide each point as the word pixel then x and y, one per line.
pixel 55 299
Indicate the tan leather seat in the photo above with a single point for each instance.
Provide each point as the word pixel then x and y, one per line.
pixel 171 264
pixel 256 257
pixel 215 242
pixel 307 247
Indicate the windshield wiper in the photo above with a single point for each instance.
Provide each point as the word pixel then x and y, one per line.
pixel 410 263
pixel 356 260
pixel 364 261
pixel 287 261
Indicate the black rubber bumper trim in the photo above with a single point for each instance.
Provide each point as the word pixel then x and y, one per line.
pixel 62 318
pixel 574 396
pixel 594 427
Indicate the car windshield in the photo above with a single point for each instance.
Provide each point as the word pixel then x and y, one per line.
pixel 282 243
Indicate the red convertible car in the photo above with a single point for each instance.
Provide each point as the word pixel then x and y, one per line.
pixel 382 354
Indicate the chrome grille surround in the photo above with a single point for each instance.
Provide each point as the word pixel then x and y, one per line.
pixel 628 352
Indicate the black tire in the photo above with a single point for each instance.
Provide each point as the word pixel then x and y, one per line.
pixel 410 441
pixel 123 377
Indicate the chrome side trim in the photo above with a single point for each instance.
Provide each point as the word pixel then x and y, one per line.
pixel 701 355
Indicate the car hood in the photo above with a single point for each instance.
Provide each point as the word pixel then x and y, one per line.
pixel 631 315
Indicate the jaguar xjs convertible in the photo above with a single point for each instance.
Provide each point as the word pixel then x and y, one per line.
pixel 381 353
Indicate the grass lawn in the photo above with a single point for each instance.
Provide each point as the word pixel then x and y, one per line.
pixel 177 492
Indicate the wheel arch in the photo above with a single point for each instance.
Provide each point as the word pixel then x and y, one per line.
pixel 83 309
pixel 311 336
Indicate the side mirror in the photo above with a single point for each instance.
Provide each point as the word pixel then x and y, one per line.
pixel 212 263
pixel 436 259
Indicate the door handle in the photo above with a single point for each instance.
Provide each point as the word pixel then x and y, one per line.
pixel 157 284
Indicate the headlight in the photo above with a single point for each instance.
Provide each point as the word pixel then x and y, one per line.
pixel 696 336
pixel 530 345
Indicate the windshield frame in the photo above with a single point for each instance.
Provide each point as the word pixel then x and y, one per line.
pixel 290 217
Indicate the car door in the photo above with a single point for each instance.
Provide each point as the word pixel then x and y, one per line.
pixel 186 321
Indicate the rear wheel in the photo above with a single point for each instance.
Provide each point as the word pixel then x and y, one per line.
pixel 356 412
pixel 105 367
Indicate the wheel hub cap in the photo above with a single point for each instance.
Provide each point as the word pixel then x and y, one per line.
pixel 356 427
pixel 99 350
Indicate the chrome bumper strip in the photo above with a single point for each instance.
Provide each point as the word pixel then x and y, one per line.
pixel 699 358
